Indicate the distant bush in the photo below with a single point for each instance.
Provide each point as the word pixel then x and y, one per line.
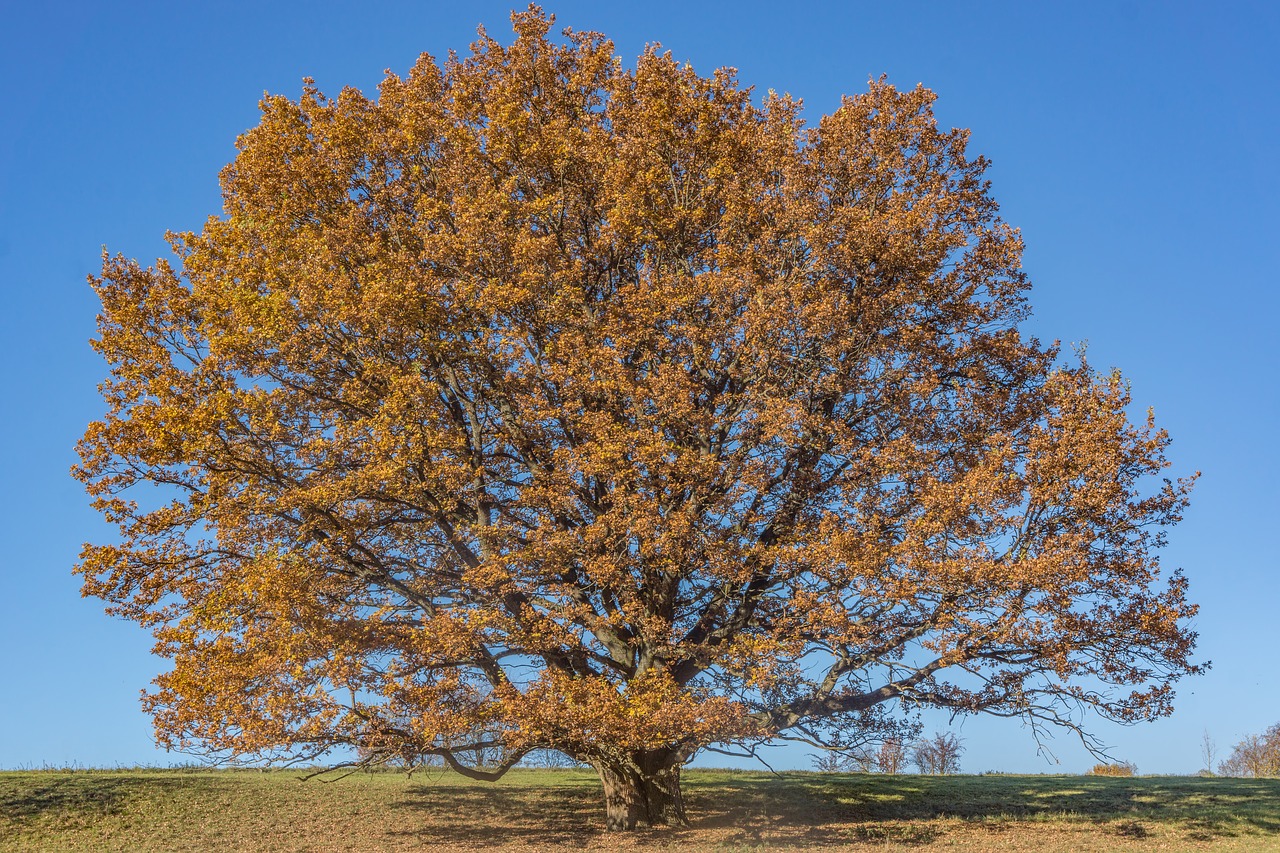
pixel 1256 755
pixel 1120 768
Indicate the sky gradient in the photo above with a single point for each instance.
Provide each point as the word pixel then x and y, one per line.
pixel 1133 143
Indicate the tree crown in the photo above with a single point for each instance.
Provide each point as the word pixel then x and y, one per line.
pixel 545 403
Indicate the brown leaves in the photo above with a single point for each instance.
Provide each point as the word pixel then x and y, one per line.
pixel 554 403
pixel 590 716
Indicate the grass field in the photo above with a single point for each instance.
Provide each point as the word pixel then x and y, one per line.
pixel 176 810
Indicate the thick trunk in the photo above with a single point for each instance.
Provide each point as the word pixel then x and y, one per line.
pixel 643 789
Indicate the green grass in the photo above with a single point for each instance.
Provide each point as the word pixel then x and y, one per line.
pixel 177 810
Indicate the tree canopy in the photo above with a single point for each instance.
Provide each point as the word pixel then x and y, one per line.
pixel 545 403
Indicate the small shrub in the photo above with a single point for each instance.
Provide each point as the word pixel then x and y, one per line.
pixel 1119 768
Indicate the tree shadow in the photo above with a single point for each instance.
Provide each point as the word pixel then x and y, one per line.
pixel 1200 809
pixel 727 809
pixel 816 811
pixel 482 817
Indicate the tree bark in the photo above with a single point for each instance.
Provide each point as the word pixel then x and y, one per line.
pixel 643 789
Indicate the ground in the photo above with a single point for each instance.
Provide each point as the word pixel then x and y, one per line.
pixel 188 810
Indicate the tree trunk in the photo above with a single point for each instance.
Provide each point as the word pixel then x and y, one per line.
pixel 643 789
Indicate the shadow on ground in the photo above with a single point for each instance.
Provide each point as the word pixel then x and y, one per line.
pixel 485 817
pixel 564 810
pixel 836 810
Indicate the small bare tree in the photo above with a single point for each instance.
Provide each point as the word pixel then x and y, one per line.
pixel 892 756
pixel 876 745
pixel 831 762
pixel 939 754
pixel 1208 749
pixel 864 760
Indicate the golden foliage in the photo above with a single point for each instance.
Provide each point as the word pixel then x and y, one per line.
pixel 539 402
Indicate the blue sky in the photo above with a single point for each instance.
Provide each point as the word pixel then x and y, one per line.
pixel 1133 143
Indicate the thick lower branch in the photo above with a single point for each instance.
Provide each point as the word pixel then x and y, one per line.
pixel 473 772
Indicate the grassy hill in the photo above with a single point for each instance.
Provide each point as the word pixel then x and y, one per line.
pixel 180 810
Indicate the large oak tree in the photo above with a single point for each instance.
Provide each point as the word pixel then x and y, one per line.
pixel 542 403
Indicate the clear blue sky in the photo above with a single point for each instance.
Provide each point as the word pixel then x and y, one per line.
pixel 1134 143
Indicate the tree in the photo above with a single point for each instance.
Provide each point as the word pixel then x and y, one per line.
pixel 1255 755
pixel 1208 749
pixel 830 762
pixel 939 754
pixel 542 403
pixel 890 758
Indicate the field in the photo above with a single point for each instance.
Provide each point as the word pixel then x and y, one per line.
pixel 184 810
